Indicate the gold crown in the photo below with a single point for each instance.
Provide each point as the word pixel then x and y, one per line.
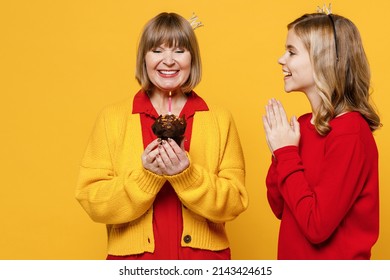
pixel 194 21
pixel 325 10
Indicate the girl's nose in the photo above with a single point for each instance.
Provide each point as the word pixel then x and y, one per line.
pixel 282 59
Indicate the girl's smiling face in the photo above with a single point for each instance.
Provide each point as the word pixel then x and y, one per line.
pixel 296 66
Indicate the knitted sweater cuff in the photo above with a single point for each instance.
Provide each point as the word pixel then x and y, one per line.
pixel 148 181
pixel 185 179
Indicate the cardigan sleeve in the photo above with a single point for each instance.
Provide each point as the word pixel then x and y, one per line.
pixel 275 199
pixel 106 196
pixel 218 195
pixel 319 209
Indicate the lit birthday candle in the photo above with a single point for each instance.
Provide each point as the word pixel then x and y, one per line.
pixel 170 103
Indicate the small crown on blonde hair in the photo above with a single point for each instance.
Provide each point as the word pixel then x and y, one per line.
pixel 194 21
pixel 328 11
pixel 325 10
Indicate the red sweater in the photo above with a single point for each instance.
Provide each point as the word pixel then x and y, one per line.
pixel 326 192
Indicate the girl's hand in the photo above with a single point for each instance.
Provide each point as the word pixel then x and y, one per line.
pixel 279 131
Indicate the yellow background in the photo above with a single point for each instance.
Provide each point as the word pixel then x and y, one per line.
pixel 61 62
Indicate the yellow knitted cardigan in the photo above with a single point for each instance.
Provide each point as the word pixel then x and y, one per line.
pixel 116 190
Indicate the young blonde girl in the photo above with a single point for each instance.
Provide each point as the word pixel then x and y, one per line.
pixel 323 180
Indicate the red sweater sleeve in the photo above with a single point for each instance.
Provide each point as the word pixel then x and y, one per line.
pixel 320 208
pixel 274 196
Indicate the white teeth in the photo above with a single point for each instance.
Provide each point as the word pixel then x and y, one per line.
pixel 285 73
pixel 167 72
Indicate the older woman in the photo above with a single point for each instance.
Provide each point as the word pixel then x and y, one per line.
pixel 159 199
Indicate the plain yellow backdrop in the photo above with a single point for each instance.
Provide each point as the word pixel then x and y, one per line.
pixel 61 62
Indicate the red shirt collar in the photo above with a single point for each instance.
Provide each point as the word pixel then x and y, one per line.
pixel 142 105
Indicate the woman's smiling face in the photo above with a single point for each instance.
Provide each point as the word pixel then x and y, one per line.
pixel 168 68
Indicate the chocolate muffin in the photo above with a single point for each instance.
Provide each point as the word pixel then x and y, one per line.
pixel 170 126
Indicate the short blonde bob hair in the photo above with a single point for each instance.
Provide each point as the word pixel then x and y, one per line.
pixel 172 30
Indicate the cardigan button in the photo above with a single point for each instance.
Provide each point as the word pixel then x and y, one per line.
pixel 187 239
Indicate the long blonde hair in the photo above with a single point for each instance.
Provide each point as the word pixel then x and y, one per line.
pixel 341 70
